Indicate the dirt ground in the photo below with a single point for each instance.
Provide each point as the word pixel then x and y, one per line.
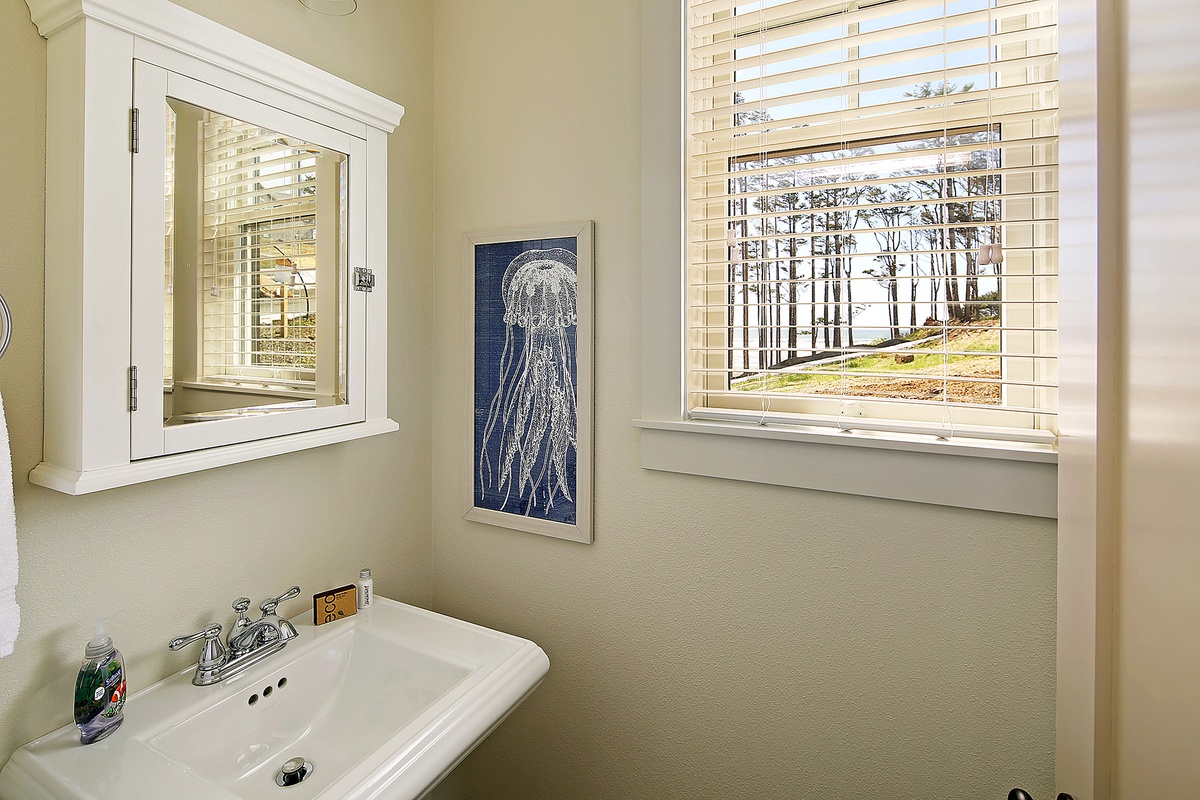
pixel 912 388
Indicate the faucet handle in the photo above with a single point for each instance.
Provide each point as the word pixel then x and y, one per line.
pixel 241 606
pixel 211 632
pixel 267 607
pixel 213 653
pixel 286 629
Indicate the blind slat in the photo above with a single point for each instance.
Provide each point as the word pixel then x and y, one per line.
pixel 780 400
pixel 1002 147
pixel 921 377
pixel 802 213
pixel 824 130
pixel 905 255
pixel 869 181
pixel 1047 224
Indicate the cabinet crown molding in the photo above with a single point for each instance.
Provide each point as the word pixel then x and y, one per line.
pixel 176 28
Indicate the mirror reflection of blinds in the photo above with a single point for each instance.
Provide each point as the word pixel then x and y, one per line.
pixel 848 166
pixel 260 276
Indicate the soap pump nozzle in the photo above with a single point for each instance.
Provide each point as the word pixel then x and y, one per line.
pixel 101 644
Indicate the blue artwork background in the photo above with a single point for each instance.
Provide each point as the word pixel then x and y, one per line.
pixel 491 261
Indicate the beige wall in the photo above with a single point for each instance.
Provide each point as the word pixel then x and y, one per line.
pixel 719 639
pixel 1157 630
pixel 175 553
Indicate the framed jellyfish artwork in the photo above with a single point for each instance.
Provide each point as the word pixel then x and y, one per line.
pixel 530 437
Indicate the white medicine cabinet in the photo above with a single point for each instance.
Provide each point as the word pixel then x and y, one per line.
pixel 216 248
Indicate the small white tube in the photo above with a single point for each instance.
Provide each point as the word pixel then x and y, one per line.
pixel 366 589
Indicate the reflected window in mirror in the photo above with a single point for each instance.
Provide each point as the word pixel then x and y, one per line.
pixel 255 253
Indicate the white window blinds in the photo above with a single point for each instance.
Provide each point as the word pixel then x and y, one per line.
pixel 262 236
pixel 872 215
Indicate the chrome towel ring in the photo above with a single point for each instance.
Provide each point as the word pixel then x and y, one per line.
pixel 7 318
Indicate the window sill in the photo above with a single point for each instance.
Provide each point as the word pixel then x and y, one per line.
pixel 1014 479
pixel 259 388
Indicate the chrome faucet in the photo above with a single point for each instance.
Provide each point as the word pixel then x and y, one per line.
pixel 248 642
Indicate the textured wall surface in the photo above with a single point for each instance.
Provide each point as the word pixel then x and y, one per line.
pixel 174 553
pixel 719 639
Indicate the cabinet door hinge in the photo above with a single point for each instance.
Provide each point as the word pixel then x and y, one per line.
pixel 134 133
pixel 133 388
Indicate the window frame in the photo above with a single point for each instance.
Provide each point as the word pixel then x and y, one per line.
pixel 251 267
pixel 995 476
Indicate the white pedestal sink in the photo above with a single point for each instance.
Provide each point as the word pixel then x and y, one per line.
pixel 382 706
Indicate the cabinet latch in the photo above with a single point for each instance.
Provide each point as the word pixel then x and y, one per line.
pixel 364 279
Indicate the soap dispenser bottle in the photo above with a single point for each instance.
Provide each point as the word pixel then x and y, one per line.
pixel 99 689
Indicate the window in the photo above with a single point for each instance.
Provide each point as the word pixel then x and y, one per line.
pixel 265 253
pixel 850 168
pixel 279 338
pixel 264 249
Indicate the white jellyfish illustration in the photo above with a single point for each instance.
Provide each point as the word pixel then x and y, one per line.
pixel 532 416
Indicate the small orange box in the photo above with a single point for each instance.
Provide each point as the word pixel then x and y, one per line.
pixel 335 604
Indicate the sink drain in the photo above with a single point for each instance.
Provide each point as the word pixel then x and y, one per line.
pixel 295 770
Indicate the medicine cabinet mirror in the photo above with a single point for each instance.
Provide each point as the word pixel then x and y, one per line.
pixel 228 218
pixel 244 311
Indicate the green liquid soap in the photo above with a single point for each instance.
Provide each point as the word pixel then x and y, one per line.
pixel 99 690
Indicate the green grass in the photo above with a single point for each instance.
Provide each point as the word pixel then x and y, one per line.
pixel 927 359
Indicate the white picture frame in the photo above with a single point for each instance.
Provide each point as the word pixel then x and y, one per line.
pixel 528 445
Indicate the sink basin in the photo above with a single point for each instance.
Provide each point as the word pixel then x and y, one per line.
pixel 381 706
pixel 356 689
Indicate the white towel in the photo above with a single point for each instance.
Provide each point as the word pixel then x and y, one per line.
pixel 10 612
